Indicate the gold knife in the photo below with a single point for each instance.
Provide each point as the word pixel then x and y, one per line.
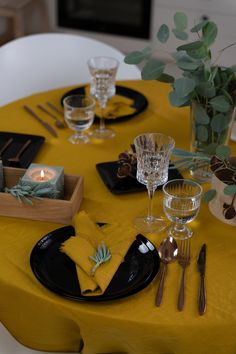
pixel 201 266
pixel 40 120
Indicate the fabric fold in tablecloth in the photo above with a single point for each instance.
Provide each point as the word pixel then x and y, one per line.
pixel 116 237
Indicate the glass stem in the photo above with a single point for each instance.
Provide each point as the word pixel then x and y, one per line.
pixel 102 121
pixel 151 191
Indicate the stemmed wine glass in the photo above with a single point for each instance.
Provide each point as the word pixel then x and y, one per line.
pixel 153 152
pixel 181 205
pixel 79 113
pixel 103 73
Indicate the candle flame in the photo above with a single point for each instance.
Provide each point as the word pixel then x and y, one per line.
pixel 42 174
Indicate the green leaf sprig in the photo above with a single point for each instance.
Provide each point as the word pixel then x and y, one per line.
pixel 102 255
pixel 23 192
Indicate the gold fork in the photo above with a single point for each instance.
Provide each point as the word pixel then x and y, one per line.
pixel 184 261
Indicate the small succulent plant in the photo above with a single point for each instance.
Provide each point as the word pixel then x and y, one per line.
pixel 23 192
pixel 102 255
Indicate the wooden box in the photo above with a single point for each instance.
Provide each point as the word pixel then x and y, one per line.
pixel 54 210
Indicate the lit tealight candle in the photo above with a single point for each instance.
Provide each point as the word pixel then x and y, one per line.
pixel 40 174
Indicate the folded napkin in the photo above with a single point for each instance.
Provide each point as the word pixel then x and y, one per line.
pixel 116 237
pixel 117 106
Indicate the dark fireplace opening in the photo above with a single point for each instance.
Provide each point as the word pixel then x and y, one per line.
pixel 120 17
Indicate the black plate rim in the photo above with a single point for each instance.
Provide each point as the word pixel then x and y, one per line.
pixel 120 90
pixel 100 298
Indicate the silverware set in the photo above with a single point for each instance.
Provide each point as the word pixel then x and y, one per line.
pixel 58 122
pixel 14 160
pixel 169 252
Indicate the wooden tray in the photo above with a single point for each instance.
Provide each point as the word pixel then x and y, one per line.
pixel 54 210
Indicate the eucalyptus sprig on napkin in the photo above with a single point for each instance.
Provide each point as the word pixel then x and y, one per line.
pixel 24 192
pixel 102 255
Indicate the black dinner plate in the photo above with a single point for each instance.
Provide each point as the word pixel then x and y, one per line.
pixel 57 272
pixel 18 141
pixel 108 174
pixel 140 101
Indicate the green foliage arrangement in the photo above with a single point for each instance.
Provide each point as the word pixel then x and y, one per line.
pixel 211 87
pixel 24 193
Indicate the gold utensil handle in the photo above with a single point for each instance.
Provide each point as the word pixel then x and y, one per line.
pixel 40 120
pixel 202 297
pixel 180 304
pixel 161 285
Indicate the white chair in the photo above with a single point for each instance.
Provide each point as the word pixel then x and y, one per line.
pixel 40 62
pixel 9 345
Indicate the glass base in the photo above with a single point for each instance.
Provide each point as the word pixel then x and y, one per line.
pixel 151 225
pixel 78 139
pixel 102 133
pixel 179 232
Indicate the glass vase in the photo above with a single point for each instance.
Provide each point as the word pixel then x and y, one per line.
pixel 209 129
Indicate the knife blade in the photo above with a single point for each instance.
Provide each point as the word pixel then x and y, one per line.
pixel 201 266
pixel 40 120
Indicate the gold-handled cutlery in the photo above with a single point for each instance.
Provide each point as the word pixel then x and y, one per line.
pixel 184 261
pixel 41 121
pixel 16 158
pixel 54 108
pixel 201 266
pixel 5 146
pixel 168 251
pixel 59 124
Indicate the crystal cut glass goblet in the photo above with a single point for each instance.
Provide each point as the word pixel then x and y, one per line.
pixel 181 204
pixel 153 152
pixel 103 74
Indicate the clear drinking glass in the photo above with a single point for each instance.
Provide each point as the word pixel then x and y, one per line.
pixel 103 74
pixel 181 204
pixel 79 113
pixel 153 152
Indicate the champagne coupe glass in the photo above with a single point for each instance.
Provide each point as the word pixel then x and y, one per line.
pixel 103 73
pixel 79 113
pixel 153 152
pixel 181 205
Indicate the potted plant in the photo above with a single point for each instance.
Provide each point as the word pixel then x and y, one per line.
pixel 209 89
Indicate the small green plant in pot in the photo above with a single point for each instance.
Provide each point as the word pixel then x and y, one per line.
pixel 209 89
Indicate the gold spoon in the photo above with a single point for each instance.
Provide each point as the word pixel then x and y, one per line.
pixel 168 251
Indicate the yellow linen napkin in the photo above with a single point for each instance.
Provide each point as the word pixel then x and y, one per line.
pixel 117 238
pixel 117 106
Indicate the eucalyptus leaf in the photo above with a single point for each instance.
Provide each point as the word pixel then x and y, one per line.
pixel 187 63
pixel 209 195
pixel 230 190
pixel 191 46
pixel 180 34
pixel 200 53
pixel 153 69
pixel 177 101
pixel 220 104
pixel 166 78
pixel 135 57
pixel 180 21
pixel 202 133
pixel 199 26
pixel 184 86
pixel 163 33
pixel 201 116
pixel 223 152
pixel 209 32
pixel 210 149
pixel 206 89
pixel 219 123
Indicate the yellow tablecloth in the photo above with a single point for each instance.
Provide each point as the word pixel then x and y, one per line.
pixel 45 321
